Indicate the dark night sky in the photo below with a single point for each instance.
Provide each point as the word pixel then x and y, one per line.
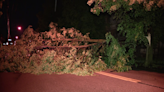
pixel 22 13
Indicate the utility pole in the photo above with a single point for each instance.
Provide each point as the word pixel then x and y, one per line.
pixel 55 5
pixel 8 21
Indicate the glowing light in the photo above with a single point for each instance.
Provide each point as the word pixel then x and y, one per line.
pixel 9 40
pixel 19 28
pixel 7 43
pixel 16 37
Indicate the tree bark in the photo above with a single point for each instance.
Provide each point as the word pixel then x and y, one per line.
pixel 149 56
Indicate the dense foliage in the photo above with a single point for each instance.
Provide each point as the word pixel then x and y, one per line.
pixel 65 58
pixel 117 58
pixel 137 19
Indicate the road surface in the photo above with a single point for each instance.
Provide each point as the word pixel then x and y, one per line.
pixel 18 82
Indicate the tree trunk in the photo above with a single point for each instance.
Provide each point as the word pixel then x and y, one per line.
pixel 149 56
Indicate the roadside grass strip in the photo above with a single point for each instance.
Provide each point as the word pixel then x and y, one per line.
pixel 119 77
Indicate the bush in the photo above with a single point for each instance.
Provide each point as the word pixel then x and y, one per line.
pixel 116 58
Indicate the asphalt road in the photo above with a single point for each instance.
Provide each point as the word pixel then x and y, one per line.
pixel 17 82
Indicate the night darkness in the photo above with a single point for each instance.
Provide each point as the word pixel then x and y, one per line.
pixel 21 13
pixel 24 13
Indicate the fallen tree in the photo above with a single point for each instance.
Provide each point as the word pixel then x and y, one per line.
pixel 45 52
